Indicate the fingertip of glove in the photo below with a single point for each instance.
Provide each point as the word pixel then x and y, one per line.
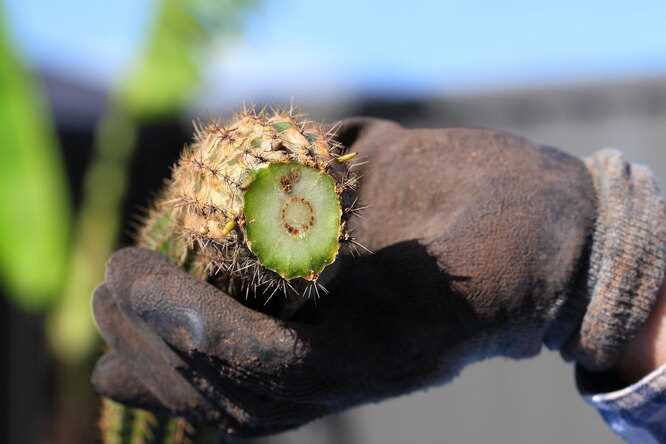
pixel 127 264
pixel 113 378
pixel 107 369
pixel 127 258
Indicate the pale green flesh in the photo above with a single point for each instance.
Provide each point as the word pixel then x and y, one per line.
pixel 312 207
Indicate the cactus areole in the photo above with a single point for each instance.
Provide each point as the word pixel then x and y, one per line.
pixel 258 204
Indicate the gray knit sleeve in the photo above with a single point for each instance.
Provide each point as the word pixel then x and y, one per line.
pixel 627 259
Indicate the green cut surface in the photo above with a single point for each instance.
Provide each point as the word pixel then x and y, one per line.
pixel 292 219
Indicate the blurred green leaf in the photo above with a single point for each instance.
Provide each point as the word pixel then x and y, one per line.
pixel 34 207
pixel 168 73
pixel 71 331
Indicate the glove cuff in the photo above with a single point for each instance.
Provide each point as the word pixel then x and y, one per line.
pixel 627 260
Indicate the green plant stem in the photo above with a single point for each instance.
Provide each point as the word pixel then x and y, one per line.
pixel 71 331
pixel 35 207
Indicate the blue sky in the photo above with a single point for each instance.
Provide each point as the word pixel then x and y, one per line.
pixel 346 46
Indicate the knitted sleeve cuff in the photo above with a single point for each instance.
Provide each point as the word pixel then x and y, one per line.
pixel 627 260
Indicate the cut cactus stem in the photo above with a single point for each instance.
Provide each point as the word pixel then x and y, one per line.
pixel 258 206
pixel 293 220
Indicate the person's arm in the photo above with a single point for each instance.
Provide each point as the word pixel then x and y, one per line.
pixel 631 398
pixel 646 352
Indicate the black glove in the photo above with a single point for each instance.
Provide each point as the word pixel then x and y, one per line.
pixel 485 245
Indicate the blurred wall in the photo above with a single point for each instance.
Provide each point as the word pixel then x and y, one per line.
pixel 501 401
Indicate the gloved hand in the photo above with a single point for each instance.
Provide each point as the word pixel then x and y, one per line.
pixel 485 245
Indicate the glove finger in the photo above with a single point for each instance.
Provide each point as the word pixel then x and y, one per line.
pixel 192 315
pixel 148 357
pixel 113 378
pixel 243 413
pixel 224 345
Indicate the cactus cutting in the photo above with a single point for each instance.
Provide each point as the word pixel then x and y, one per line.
pixel 258 205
